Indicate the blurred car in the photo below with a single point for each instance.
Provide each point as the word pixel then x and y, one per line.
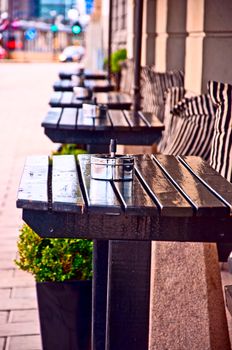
pixel 3 53
pixel 72 54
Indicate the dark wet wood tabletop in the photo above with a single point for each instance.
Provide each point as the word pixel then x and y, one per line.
pixel 169 198
pixel 92 85
pixel 88 74
pixel 114 100
pixel 72 125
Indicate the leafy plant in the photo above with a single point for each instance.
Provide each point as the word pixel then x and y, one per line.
pixel 69 149
pixel 116 58
pixel 54 259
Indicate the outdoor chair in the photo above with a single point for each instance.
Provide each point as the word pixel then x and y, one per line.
pixel 201 126
pixel 221 151
pixel 192 126
pixel 127 76
pixel 125 85
pixel 154 86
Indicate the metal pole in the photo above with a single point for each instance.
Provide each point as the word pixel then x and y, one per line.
pixel 138 46
pixel 110 39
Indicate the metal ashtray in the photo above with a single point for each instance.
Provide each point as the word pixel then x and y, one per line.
pixel 112 166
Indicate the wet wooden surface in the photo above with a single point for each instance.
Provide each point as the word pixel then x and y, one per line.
pixel 165 193
pixel 71 125
pixel 114 100
pixel 88 74
pixel 92 85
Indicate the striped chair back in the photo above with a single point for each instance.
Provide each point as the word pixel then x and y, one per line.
pixel 221 152
pixel 193 120
pixel 154 86
pixel 172 97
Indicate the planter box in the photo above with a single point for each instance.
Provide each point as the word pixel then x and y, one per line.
pixel 65 314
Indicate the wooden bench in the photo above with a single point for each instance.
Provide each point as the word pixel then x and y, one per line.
pixel 69 125
pixel 179 199
pixel 111 99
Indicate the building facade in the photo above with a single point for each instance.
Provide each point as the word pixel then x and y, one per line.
pixel 192 35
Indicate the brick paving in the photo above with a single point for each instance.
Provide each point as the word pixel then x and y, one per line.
pixel 24 93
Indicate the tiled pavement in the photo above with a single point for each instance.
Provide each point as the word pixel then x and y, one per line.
pixel 24 93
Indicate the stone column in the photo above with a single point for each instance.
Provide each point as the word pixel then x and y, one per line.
pixel 187 306
pixel 209 44
pixel 149 32
pixel 130 28
pixel 217 48
pixel 176 39
pixel 194 45
pixel 161 32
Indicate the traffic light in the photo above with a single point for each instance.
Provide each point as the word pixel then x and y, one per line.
pixel 76 28
pixel 54 28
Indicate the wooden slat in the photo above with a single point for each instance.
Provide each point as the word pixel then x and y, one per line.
pixel 135 120
pixel 89 84
pixel 135 199
pixel 95 75
pixel 170 201
pixel 68 118
pixel 66 98
pixel 66 192
pixel 102 97
pixel 112 97
pixel 99 195
pixel 151 119
pixel 204 201
pixel 118 120
pixel 103 123
pixel 67 84
pixel 33 188
pixel 56 97
pixel 67 74
pixel 76 102
pixel 124 98
pixel 128 295
pixel 84 122
pixel 52 117
pixel 209 176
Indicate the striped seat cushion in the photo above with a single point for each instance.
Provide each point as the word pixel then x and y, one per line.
pixel 154 86
pixel 172 97
pixel 221 152
pixel 194 120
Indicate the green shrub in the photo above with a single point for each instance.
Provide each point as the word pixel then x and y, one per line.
pixel 116 58
pixel 54 259
pixel 69 149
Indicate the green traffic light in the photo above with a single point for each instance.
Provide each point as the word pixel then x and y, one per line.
pixel 54 28
pixel 76 29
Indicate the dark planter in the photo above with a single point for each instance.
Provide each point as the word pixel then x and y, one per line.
pixel 65 314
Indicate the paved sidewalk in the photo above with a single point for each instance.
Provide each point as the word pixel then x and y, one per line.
pixel 24 93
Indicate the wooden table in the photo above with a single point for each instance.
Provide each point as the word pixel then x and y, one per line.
pixel 113 100
pixel 69 125
pixel 170 199
pixel 92 85
pixel 88 74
